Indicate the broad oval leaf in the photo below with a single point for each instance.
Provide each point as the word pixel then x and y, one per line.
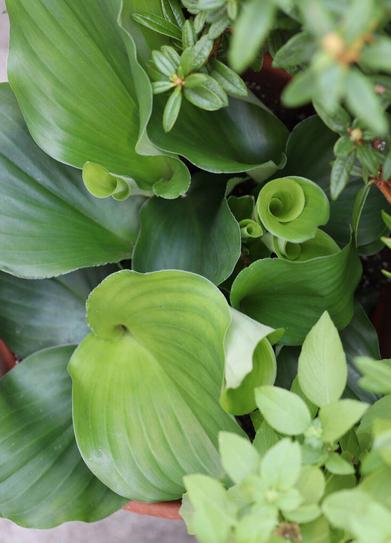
pixel 46 312
pixel 285 411
pixel 338 417
pixel 238 456
pixel 49 223
pixel 149 376
pixel 322 370
pixel 80 97
pixel 275 292
pixel 197 233
pixel 43 479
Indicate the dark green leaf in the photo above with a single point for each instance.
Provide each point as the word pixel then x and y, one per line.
pixel 45 313
pixel 297 50
pixel 193 58
pixel 43 479
pixel 275 291
pixel 172 11
pixel 340 174
pixel 50 224
pixel 339 121
pixel 343 147
pixel 196 233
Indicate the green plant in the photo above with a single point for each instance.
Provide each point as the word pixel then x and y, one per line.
pixel 182 278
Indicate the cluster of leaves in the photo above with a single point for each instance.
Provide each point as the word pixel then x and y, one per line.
pixel 329 483
pixel 223 273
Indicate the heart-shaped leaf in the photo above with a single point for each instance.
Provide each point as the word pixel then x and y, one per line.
pixel 80 98
pixel 43 479
pixel 276 292
pixel 47 312
pixel 148 377
pixel 50 224
pixel 196 233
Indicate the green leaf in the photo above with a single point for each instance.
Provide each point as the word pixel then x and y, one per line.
pixel 376 374
pixel 300 89
pixel 238 456
pixel 249 362
pixel 164 63
pixel 172 11
pixel 283 410
pixel 330 82
pixel 256 525
pixel 379 410
pixel 339 121
pixel 47 312
pixel 340 174
pixel 44 481
pixel 197 233
pixel 377 484
pixel 281 465
pixel 213 512
pixel 299 288
pixel 250 229
pixel 344 146
pixel 297 50
pixel 339 417
pixel 153 367
pixel 101 183
pixel 364 103
pixel 321 245
pixel 159 25
pixel 265 438
pixel 317 531
pixel 358 514
pixel 311 484
pixel 193 58
pixel 250 30
pixel 206 94
pixel 359 338
pixel 292 208
pixel 171 111
pixel 387 166
pixel 229 80
pixel 189 36
pixel 336 464
pixel 80 99
pixel 322 368
pixel 60 227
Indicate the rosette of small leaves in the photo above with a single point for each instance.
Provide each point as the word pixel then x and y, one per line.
pixel 218 15
pixel 194 75
pixel 350 45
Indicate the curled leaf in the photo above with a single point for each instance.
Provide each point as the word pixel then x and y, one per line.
pixel 321 245
pixel 292 208
pixel 102 184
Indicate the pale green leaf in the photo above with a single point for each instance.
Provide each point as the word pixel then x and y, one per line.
pixel 322 364
pixel 283 410
pixel 339 417
pixel 336 464
pixel 238 456
pixel 153 367
pixel 280 466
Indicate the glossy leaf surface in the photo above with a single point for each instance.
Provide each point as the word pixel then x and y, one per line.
pixel 77 91
pixel 276 292
pixel 149 376
pixel 197 233
pixel 43 479
pixel 49 223
pixel 47 312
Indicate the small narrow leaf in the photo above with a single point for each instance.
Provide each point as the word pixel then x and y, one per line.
pixel 322 367
pixel 164 63
pixel 340 174
pixel 172 11
pixel 250 30
pixel 206 94
pixel 193 58
pixel 172 108
pixel 159 25
pixel 283 410
pixel 230 81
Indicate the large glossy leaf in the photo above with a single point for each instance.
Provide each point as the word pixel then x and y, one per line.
pixel 196 233
pixel 310 154
pixel 43 479
pixel 70 71
pixel 293 295
pixel 146 382
pixel 242 137
pixel 49 224
pixel 359 338
pixel 47 312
